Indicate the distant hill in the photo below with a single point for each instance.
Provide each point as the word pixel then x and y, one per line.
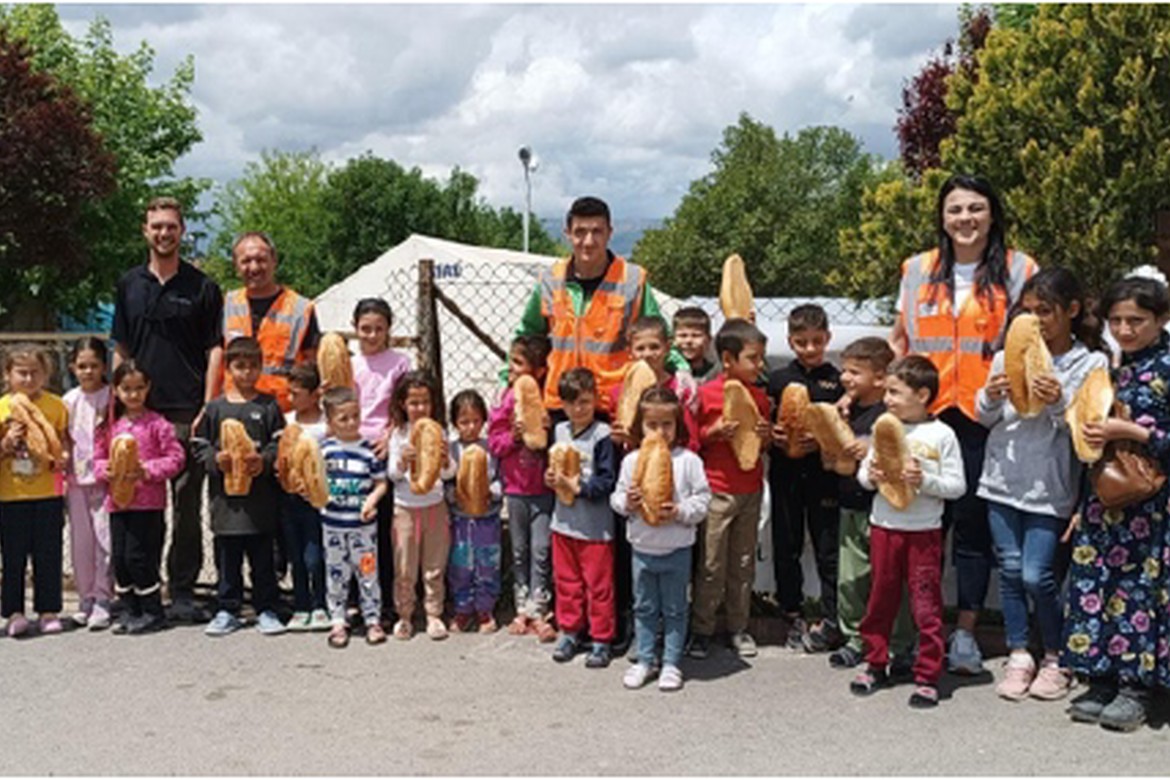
pixel 625 232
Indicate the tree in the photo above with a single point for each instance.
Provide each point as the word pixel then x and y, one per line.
pixel 146 128
pixel 777 202
pixel 51 164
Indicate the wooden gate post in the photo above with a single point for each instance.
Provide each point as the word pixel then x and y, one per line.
pixel 428 323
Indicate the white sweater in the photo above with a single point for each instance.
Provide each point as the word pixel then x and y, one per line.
pixel 692 495
pixel 403 495
pixel 936 448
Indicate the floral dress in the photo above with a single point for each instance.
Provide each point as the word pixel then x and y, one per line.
pixel 1117 620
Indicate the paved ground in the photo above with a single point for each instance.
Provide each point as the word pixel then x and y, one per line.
pixel 178 702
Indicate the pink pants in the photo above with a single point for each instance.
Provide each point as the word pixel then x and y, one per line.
pixel 89 541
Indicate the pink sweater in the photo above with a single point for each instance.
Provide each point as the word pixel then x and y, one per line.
pixel 375 376
pixel 160 453
pixel 522 469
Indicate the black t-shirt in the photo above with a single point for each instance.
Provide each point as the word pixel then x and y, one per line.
pixel 258 307
pixel 169 329
pixel 589 286
pixel 851 495
pixel 824 386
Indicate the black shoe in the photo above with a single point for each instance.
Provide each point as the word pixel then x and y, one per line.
pixel 845 657
pixel 700 646
pixel 152 619
pixel 567 647
pixel 1127 711
pixel 821 638
pixel 925 697
pixel 130 612
pixel 185 611
pixel 599 656
pixel 869 681
pixel 1087 707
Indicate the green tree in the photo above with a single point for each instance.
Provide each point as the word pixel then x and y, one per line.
pixel 778 202
pixel 146 128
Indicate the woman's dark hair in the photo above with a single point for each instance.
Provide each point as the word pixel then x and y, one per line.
pixel 468 398
pixel 404 385
pixel 373 306
pixel 124 369
pixel 1148 294
pixel 662 396
pixel 992 269
pixel 1060 287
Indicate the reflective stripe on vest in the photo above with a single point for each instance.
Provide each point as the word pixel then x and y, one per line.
pixel 281 336
pixel 595 339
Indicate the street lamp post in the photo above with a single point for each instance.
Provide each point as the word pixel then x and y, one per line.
pixel 526 159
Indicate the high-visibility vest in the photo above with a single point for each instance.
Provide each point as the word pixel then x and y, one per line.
pixel 961 347
pixel 596 339
pixel 282 334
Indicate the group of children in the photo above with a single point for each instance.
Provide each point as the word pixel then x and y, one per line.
pixel 567 555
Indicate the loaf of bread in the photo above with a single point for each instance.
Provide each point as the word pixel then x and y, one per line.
pixel 794 403
pixel 41 439
pixel 1025 357
pixel 890 453
pixel 564 459
pixel 308 471
pixel 1091 404
pixel 123 465
pixel 740 407
pixel 735 294
pixel 284 452
pixel 333 362
pixel 638 379
pixel 654 476
pixel 472 491
pixel 234 439
pixel 530 412
pixel 426 436
pixel 832 433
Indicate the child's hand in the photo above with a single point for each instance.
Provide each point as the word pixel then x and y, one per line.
pixel 546 419
pixel 1047 389
pixel 137 474
pixel 997 386
pixel 779 436
pixel 633 497
pixel 223 459
pixel 445 453
pixel 253 464
pixel 876 475
pixel 1074 523
pixel 572 484
pixel 382 445
pixel 808 443
pixel 668 512
pixel 13 436
pixel 550 478
pixel 517 431
pixel 857 449
pixel 406 462
pixel 369 509
pixel 912 473
pixel 764 431
pixel 722 430
pixel 843 404
pixel 617 433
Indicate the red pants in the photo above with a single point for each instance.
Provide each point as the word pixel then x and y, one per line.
pixel 583 577
pixel 914 558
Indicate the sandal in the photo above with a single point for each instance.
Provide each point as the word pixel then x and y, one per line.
pixel 375 634
pixel 518 626
pixel 339 637
pixel 868 681
pixel 403 629
pixel 924 697
pixel 544 630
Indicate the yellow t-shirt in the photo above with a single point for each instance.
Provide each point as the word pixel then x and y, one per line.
pixel 41 483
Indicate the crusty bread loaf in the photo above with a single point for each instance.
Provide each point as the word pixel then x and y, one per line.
pixel 1091 404
pixel 654 476
pixel 530 412
pixel 563 458
pixel 44 445
pixel 472 494
pixel 832 433
pixel 890 454
pixel 426 436
pixel 284 452
pixel 794 403
pixel 739 406
pixel 308 470
pixel 123 464
pixel 1025 357
pixel 735 294
pixel 234 439
pixel 333 362
pixel 638 379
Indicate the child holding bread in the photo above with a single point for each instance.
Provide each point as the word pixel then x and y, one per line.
pixel 473 570
pixel 733 436
pixel 236 440
pixel 135 455
pixel 528 500
pixel 583 524
pixel 1031 475
pixel 915 463
pixel 665 496
pixel 419 463
pixel 33 422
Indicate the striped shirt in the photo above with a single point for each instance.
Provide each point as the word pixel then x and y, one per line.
pixel 352 470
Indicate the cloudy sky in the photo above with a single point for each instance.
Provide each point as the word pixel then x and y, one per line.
pixel 623 101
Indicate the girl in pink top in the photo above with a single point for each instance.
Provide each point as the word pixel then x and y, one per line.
pixel 89 524
pixel 137 529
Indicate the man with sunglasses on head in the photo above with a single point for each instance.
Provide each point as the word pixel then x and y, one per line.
pixel 168 317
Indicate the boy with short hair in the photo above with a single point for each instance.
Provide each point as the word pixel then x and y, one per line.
pixel 728 542
pixel 650 341
pixel 905 546
pixel 692 338
pixel 583 532
pixel 804 493
pixel 243 525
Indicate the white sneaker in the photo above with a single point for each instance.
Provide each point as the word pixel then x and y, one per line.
pixel 670 679
pixel 637 676
pixel 99 619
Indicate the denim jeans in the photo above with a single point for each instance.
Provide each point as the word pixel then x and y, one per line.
pixel 1025 544
pixel 660 590
pixel 302 536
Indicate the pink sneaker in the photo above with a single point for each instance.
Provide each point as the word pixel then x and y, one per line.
pixel 1051 683
pixel 18 625
pixel 1017 676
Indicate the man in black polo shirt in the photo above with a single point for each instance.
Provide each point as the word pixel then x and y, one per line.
pixel 168 316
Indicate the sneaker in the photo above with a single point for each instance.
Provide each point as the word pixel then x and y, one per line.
pixel 869 680
pixel 599 656
pixel 319 620
pixel 300 621
pixel 821 638
pixel 487 623
pixel 1127 711
pixel 670 678
pixel 700 646
pixel 51 626
pixel 436 628
pixel 99 618
pixel 963 656
pixel 636 676
pixel 1051 683
pixel 403 630
pixel 1019 670
pixel 925 697
pixel 1087 707
pixel 147 623
pixel 81 616
pixel 743 644
pixel 845 657
pixel 567 647
pixel 797 628
pixel 184 610
pixel 18 625
pixel 269 624
pixel 461 623
pixel 222 624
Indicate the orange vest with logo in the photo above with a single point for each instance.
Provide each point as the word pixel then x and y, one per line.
pixel 961 345
pixel 282 334
pixel 597 338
